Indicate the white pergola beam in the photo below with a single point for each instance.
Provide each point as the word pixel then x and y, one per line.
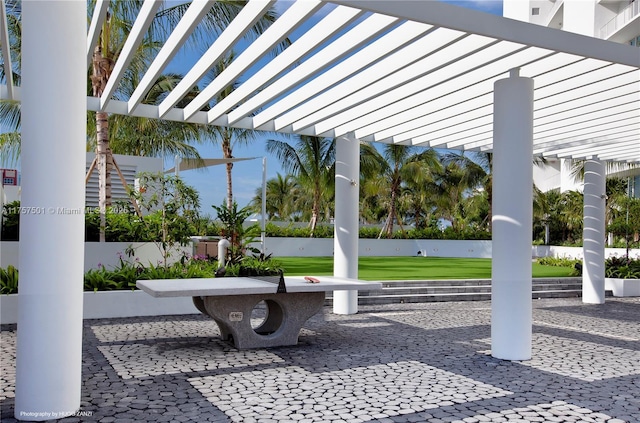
pixel 592 146
pixel 99 15
pixel 590 120
pixel 291 19
pixel 135 38
pixel 625 102
pixel 247 17
pixel 188 23
pixel 334 22
pixel 6 50
pixel 298 116
pixel 581 94
pixel 471 21
pixel 399 37
pixel 345 98
pixel 405 115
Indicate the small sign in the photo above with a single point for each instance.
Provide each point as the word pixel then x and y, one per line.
pixel 236 316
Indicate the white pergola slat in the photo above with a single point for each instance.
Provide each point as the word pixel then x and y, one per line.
pixel 6 55
pixel 329 26
pixel 189 22
pixel 138 30
pixel 290 20
pixel 99 15
pixel 405 72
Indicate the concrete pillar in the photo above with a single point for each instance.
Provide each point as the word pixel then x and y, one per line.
pixel 54 113
pixel 511 309
pixel 345 250
pixel 594 232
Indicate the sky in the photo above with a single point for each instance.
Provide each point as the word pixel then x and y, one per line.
pixel 247 175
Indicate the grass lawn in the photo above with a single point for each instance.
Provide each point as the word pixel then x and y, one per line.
pixel 410 268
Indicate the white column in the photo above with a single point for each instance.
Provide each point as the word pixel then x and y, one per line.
pixel 54 113
pixel 594 232
pixel 511 309
pixel 345 244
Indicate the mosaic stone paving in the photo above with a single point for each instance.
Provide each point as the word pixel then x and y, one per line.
pixel 389 363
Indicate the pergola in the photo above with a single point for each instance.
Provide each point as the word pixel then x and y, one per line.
pixel 419 73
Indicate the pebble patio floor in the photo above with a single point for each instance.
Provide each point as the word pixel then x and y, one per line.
pixel 426 362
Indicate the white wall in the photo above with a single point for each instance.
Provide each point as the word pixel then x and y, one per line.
pixel 576 252
pixel 106 253
pixel 310 247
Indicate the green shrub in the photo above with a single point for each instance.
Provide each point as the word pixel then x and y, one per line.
pixel 9 280
pixel 622 268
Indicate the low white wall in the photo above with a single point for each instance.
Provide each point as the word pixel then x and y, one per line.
pixel 112 304
pixel 577 253
pixel 105 253
pixel 312 247
pixel 108 253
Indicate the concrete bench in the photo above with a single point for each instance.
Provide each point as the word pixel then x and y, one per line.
pixel 230 301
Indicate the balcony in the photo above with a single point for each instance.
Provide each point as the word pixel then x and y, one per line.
pixel 629 14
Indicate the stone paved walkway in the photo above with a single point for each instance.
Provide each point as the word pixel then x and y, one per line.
pixel 391 363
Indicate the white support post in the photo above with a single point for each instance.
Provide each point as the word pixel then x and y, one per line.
pixel 594 235
pixel 511 308
pixel 54 112
pixel 345 255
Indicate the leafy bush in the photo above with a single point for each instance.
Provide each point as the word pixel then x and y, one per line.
pixel 622 268
pixel 11 221
pixel 8 280
pixel 576 264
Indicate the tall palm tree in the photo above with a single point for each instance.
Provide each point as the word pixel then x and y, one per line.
pixel 401 164
pixel 282 196
pixel 10 109
pixel 113 34
pixel 474 173
pixel 312 161
pixel 228 137
pixel 139 136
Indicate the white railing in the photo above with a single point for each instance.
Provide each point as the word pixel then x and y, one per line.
pixel 620 20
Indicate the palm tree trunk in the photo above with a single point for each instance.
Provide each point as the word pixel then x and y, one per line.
pixel 227 153
pixel 104 169
pixel 102 68
pixel 315 209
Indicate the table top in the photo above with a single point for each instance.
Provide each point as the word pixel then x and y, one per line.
pixel 246 285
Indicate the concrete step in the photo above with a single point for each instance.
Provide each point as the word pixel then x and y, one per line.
pixel 394 292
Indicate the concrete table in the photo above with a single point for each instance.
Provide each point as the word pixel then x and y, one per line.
pixel 231 300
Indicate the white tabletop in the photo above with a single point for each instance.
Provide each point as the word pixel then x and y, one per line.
pixel 245 285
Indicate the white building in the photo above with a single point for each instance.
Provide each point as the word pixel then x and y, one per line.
pixel 612 20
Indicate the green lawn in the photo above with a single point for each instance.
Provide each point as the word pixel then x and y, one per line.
pixel 410 268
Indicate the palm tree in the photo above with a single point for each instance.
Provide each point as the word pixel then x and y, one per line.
pixel 10 109
pixel 474 173
pixel 113 34
pixel 312 161
pixel 282 197
pixel 401 164
pixel 228 137
pixel 139 136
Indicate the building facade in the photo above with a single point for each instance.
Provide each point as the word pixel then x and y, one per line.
pixel 612 20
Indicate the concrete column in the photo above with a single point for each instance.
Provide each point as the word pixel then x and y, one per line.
pixel 511 309
pixel 594 235
pixel 54 113
pixel 345 250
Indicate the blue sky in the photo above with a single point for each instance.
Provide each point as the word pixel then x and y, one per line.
pixel 247 175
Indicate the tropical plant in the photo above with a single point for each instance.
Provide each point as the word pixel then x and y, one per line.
pixel 8 280
pixel 177 204
pixel 10 109
pixel 233 229
pixel 312 161
pixel 401 165
pixel 282 197
pixel 625 222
